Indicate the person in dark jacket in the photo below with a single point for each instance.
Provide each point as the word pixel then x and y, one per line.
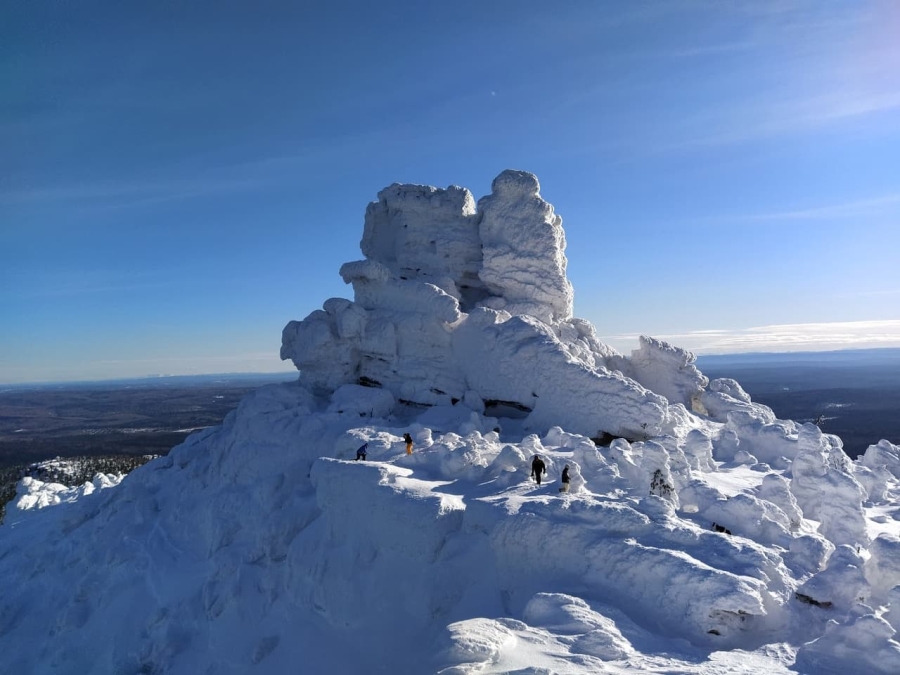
pixel 409 443
pixel 537 468
pixel 565 480
pixel 361 452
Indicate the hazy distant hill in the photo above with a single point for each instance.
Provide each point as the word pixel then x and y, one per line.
pixel 111 426
pixel 157 382
pixel 118 417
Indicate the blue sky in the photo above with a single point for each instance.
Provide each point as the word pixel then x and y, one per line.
pixel 179 180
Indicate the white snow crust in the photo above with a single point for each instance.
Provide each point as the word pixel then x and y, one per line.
pixel 700 533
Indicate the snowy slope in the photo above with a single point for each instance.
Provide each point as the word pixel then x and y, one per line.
pixel 262 546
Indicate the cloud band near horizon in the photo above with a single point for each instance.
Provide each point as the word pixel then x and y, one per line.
pixel 777 338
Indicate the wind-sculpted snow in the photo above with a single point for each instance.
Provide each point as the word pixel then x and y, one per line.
pixel 724 396
pixel 882 569
pixel 667 370
pixel 864 644
pixel 883 455
pixel 684 596
pixel 699 533
pixel 556 389
pixel 826 490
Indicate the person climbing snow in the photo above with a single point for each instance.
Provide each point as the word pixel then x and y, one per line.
pixel 537 468
pixel 565 480
pixel 409 443
pixel 361 452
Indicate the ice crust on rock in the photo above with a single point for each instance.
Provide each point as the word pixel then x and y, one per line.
pixel 696 522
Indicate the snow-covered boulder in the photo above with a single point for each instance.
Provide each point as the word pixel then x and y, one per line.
pixel 883 454
pixel 776 490
pixel 864 645
pixel 773 442
pixel 842 584
pixel 553 389
pixel 825 491
pixel 882 569
pixel 33 494
pixel 724 396
pixel 667 370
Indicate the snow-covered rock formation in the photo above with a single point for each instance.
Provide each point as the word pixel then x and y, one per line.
pixel 695 523
pixel 451 300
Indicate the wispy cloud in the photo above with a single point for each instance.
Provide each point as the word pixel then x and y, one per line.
pixel 874 207
pixel 778 338
pixel 788 73
pixel 712 49
pixel 807 67
pixel 869 294
pixel 83 289
pixel 127 191
pixel 782 114
pixel 198 361
pixel 27 284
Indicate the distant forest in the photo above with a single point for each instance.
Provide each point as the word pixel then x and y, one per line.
pixel 109 427
pixel 129 417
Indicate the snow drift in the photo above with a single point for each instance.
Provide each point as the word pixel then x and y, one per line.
pixel 700 532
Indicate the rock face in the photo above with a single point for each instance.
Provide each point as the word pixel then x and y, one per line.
pixel 451 298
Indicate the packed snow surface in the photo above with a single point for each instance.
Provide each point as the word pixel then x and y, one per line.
pixel 699 533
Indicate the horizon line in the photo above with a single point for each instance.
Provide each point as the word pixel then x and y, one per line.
pixel 287 373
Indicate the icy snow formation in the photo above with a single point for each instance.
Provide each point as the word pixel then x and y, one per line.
pixel 700 533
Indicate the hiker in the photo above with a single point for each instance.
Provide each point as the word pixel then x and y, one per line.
pixel 537 468
pixel 409 443
pixel 361 452
pixel 565 480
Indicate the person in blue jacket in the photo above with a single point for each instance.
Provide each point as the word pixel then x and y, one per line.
pixel 361 452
